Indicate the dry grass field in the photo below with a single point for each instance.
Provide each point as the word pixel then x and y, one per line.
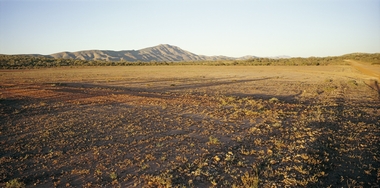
pixel 190 126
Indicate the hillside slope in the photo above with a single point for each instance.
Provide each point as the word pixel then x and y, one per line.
pixel 162 52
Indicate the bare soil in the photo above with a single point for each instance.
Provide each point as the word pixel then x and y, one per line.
pixel 192 126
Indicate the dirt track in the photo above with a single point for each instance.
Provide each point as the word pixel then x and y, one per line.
pixel 369 70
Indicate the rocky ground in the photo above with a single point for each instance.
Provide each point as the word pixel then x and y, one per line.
pixel 191 126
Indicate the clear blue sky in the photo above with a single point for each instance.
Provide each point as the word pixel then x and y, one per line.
pixel 208 27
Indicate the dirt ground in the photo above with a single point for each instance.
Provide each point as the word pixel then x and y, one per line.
pixel 191 126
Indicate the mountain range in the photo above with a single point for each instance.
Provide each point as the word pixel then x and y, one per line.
pixel 162 52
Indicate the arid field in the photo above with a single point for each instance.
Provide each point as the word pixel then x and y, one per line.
pixel 191 126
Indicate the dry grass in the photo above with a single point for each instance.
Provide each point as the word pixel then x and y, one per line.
pixel 189 127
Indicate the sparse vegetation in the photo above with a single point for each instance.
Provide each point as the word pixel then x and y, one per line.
pixel 229 127
pixel 14 184
pixel 213 140
pixel 251 181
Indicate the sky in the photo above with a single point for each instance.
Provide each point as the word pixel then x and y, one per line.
pixel 235 28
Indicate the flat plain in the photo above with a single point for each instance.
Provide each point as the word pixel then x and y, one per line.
pixel 190 126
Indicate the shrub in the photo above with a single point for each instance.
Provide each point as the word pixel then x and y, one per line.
pixel 14 184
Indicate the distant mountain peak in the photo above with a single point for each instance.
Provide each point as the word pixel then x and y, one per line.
pixel 166 45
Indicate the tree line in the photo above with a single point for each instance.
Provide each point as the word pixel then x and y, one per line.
pixel 32 62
